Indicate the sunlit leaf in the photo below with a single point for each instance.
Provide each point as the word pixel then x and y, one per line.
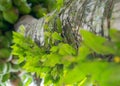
pixel 54 49
pixel 110 76
pixel 59 4
pixel 73 76
pixel 56 36
pixel 52 60
pixel 83 52
pixel 96 43
pixel 66 49
pixel 22 30
pixel 29 80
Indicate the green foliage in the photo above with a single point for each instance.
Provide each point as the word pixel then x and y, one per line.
pixel 4 53
pixel 115 41
pixel 56 36
pixel 5 5
pixel 61 64
pixel 91 40
pixel 11 16
pixel 50 4
pixel 39 11
pixel 12 10
pixel 4 45
pixel 5 77
pixel 59 4
pixel 57 62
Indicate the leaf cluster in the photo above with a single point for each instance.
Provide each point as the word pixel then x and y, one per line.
pixel 12 10
pixel 60 64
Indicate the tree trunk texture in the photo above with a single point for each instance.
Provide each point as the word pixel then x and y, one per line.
pixel 92 15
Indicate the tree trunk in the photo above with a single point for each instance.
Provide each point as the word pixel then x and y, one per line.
pixel 93 15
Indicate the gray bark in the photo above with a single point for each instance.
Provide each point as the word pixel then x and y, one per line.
pixel 93 15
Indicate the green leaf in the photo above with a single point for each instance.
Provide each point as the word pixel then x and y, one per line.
pixel 5 5
pixel 19 2
pixel 54 49
pixel 9 66
pixel 59 4
pixel 96 43
pixel 66 49
pixel 115 42
pixel 83 52
pixel 29 80
pixel 51 4
pixel 114 34
pixel 24 8
pixel 59 25
pixel 52 60
pixel 4 53
pixel 22 29
pixel 21 59
pixel 56 36
pixel 39 11
pixel 73 76
pixel 5 77
pixel 11 15
pixel 85 69
pixel 110 76
pixel 1 68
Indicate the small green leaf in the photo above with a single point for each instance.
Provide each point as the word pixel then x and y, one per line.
pixel 11 15
pixel 21 59
pixel 5 77
pixel 59 25
pixel 73 76
pixel 22 29
pixel 9 67
pixel 66 49
pixel 56 36
pixel 1 68
pixel 59 4
pixel 52 60
pixel 28 82
pixel 83 52
pixel 54 49
pixel 39 10
pixel 5 5
pixel 24 8
pixel 4 53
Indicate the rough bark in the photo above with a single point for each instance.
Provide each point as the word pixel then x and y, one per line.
pixel 93 15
